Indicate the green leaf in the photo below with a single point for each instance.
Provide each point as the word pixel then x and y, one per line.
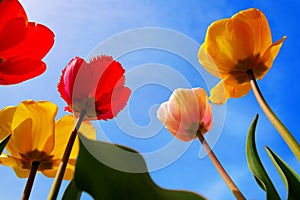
pixel 108 171
pixel 72 191
pixel 255 165
pixel 290 178
pixel 3 143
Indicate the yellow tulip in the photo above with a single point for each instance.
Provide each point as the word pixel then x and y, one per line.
pixel 36 136
pixel 187 113
pixel 235 46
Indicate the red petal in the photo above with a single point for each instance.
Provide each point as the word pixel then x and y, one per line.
pixel 67 79
pixel 11 9
pixel 13 32
pixel 110 105
pixel 111 76
pixel 16 71
pixel 39 40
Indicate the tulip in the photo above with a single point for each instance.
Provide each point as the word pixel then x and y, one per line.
pixel 96 87
pixel 233 47
pixel 23 44
pixel 37 142
pixel 187 113
pixel 239 51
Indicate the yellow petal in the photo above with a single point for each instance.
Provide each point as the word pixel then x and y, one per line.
pixel 69 173
pixel 14 163
pixel 63 129
pixel 228 41
pixel 207 62
pixel 268 58
pixel 42 115
pixel 228 88
pixel 21 173
pixel 88 130
pixel 22 137
pixel 259 26
pixel 6 116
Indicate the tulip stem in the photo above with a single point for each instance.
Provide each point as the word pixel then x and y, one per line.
pixel 63 164
pixel 30 180
pixel 229 182
pixel 283 131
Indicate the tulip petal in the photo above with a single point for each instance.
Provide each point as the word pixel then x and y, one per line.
pixel 42 115
pixel 15 163
pixel 109 105
pixel 12 33
pixel 16 71
pixel 268 58
pixel 37 43
pixel 188 104
pixel 208 63
pixel 165 116
pixel 10 10
pixel 259 26
pixel 111 77
pixel 228 88
pixel 185 113
pixel 63 129
pixel 228 41
pixel 68 175
pixel 68 77
pixel 6 116
pixel 22 136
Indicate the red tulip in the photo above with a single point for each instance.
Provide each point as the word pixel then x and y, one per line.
pixel 22 44
pixel 95 87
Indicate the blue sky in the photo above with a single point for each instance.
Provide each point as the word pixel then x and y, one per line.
pixel 83 28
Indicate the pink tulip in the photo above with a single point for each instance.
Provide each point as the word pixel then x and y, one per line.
pixel 187 113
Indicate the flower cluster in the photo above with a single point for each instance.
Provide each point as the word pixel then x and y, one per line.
pixel 238 50
pixel 92 90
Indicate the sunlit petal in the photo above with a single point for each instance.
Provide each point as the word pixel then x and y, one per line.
pixel 268 58
pixel 228 41
pixel 228 88
pixel 186 113
pixel 67 176
pixel 42 115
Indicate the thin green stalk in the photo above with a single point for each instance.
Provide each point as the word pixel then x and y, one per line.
pixel 63 164
pixel 229 182
pixel 283 131
pixel 30 180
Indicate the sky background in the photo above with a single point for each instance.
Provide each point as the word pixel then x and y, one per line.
pixel 82 26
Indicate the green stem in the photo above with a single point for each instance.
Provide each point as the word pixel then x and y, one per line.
pixel 30 180
pixel 283 131
pixel 229 182
pixel 63 164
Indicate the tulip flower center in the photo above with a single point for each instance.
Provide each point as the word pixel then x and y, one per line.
pixel 45 160
pixel 252 63
pixel 195 128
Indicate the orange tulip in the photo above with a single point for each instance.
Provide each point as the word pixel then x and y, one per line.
pixel 234 46
pixel 187 113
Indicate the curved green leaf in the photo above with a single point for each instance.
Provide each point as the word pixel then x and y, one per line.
pixel 72 191
pixel 108 171
pixel 3 143
pixel 256 166
pixel 290 178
